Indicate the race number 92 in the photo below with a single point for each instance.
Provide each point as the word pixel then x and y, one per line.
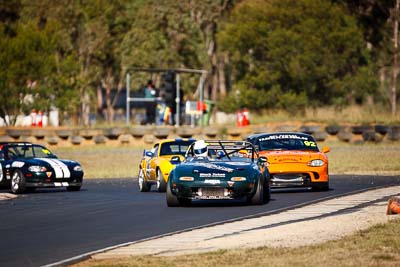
pixel 310 143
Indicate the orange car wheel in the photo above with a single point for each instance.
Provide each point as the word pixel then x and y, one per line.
pixel 320 186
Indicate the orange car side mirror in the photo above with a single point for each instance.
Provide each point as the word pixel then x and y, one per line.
pixel 325 149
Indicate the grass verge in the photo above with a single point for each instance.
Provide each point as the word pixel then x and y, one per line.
pixel 354 114
pixel 377 246
pixel 366 158
pixel 102 161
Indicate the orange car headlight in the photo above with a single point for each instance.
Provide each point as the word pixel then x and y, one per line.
pixel 316 163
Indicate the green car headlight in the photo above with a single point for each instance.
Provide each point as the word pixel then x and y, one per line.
pixel 238 179
pixel 186 178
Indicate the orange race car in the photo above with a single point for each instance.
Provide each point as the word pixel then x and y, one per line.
pixel 294 159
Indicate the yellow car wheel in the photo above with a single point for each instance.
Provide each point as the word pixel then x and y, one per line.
pixel 161 184
pixel 143 185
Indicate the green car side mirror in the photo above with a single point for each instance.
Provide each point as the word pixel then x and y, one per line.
pixel 262 160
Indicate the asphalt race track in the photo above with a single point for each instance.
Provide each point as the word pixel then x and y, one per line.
pixel 51 225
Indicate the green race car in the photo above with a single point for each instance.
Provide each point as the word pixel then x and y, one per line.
pixel 224 170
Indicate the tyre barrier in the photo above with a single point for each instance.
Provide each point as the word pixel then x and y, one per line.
pixel 124 138
pixel 360 129
pixel 381 129
pixel 149 139
pixel 162 133
pixel 52 140
pixel 236 133
pixel 88 134
pixel 186 132
pixel 76 139
pixel 112 133
pixel 344 135
pixel 320 136
pixel 371 136
pixel 393 206
pixel 140 131
pixel 149 134
pixel 394 133
pixel 210 132
pixel 64 133
pixel 17 133
pixel 99 139
pixel 309 129
pixel 333 129
pixel 39 133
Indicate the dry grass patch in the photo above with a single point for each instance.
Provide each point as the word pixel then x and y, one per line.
pixel 355 114
pixel 368 158
pixel 102 161
pixel 377 246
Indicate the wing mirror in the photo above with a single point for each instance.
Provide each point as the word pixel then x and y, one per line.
pixel 148 154
pixel 175 160
pixel 325 149
pixel 262 160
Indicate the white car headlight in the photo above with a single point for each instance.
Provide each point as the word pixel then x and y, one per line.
pixel 78 168
pixel 316 163
pixel 37 169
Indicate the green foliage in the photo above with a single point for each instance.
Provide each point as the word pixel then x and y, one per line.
pixel 281 53
pixel 249 98
pixel 26 64
pixel 161 35
pixel 310 49
pixel 258 100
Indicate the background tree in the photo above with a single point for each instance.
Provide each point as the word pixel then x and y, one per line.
pixel 307 52
pixel 89 33
pixel 292 53
pixel 26 65
pixel 377 20
pixel 161 35
pixel 207 15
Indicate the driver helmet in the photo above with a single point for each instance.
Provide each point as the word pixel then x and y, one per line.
pixel 200 148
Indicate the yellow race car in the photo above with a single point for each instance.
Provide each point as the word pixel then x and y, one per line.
pixel 155 165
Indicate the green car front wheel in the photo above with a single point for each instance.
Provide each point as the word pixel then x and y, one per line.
pixel 161 184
